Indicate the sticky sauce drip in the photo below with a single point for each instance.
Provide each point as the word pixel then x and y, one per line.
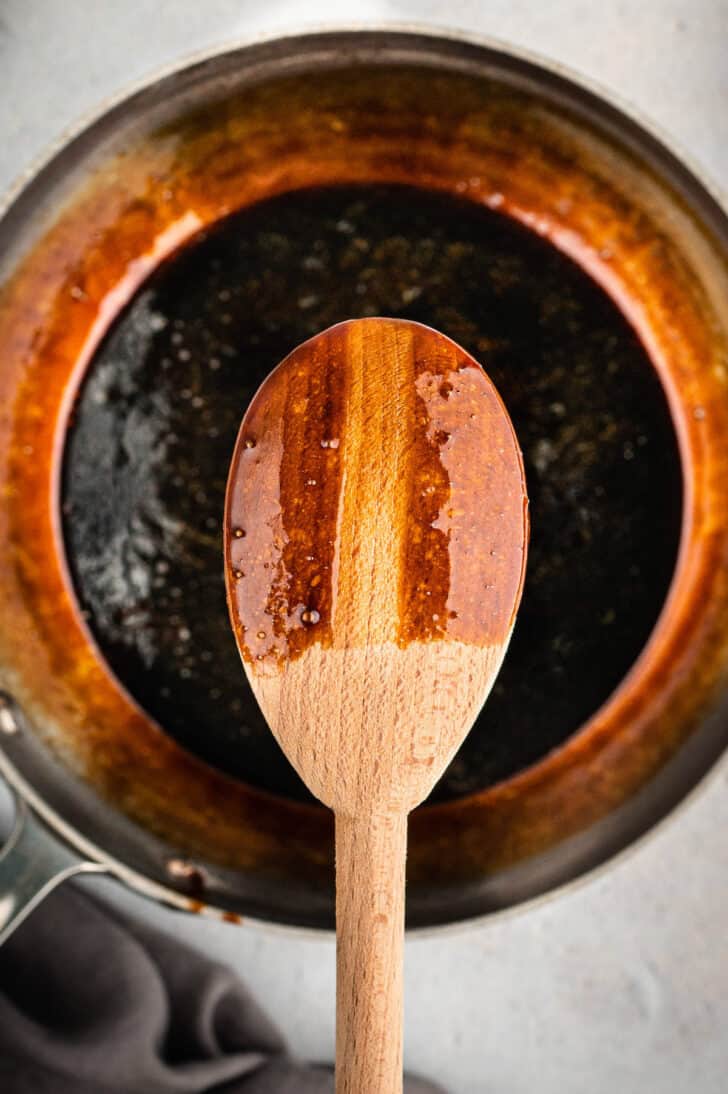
pixel 375 484
pixel 283 489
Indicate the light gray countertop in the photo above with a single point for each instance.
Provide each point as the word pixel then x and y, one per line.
pixel 620 983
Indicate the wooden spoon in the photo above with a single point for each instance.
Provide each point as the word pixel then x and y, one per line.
pixel 375 543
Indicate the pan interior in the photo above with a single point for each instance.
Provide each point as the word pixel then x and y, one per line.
pixel 156 417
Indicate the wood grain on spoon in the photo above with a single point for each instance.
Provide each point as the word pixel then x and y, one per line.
pixel 376 528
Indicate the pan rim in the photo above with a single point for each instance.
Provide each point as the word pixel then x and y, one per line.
pixel 691 173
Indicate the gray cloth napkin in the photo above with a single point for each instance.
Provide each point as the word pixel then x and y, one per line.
pixel 91 1004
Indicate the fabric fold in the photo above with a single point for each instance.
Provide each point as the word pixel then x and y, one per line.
pixel 92 1004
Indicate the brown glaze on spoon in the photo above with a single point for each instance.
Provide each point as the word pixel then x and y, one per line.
pixel 375 543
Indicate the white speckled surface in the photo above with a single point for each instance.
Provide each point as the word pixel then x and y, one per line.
pixel 620 984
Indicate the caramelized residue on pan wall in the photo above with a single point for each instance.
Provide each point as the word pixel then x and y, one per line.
pixel 377 447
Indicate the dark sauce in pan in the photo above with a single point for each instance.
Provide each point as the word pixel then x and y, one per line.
pixel 157 416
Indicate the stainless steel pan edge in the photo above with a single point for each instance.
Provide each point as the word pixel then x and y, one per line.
pixel 34 860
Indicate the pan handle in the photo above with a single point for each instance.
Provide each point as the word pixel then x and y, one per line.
pixel 32 863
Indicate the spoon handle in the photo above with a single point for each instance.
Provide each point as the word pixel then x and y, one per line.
pixel 370 880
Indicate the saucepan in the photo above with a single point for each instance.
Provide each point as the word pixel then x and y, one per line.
pixel 322 175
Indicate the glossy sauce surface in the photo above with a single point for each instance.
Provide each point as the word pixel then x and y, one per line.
pixel 156 420
pixel 377 445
